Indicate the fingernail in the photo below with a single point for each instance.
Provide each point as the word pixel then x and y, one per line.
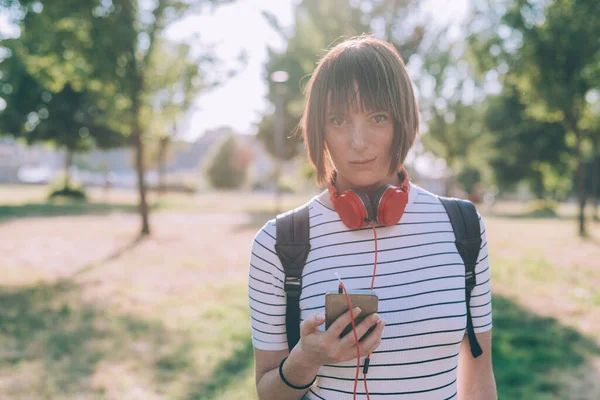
pixel 357 309
pixel 320 317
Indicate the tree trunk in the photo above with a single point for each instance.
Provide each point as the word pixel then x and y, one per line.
pixel 162 155
pixel 595 173
pixel 136 89
pixel 580 184
pixel 139 159
pixel 68 164
pixel 537 186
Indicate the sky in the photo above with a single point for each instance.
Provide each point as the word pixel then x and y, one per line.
pixel 241 100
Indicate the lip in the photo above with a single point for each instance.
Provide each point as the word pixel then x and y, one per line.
pixel 363 162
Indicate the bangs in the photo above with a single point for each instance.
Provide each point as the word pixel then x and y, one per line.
pixel 359 81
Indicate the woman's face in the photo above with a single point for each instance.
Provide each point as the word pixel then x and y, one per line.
pixel 359 144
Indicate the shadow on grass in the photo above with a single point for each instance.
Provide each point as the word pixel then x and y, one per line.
pixel 111 257
pixel 530 352
pixel 227 372
pixel 50 209
pixel 52 344
pixel 75 208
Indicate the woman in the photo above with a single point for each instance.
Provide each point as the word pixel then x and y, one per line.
pixel 360 120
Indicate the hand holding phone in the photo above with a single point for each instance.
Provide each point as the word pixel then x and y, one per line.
pixel 336 305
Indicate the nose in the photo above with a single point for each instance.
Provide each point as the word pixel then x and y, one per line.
pixel 358 137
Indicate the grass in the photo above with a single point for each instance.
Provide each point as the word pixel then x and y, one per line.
pixel 533 356
pixel 78 348
pixel 106 315
pixel 30 201
pixel 29 210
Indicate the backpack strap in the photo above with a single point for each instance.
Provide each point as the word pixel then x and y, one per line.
pixel 292 246
pixel 465 223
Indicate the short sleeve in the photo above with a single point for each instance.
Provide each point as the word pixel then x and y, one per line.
pixel 481 296
pixel 266 294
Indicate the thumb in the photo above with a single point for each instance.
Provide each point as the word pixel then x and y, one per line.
pixel 311 323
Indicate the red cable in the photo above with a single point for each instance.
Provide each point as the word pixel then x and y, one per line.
pixel 372 286
pixel 353 324
pixel 374 265
pixel 355 338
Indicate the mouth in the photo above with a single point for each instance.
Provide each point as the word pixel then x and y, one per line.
pixel 363 162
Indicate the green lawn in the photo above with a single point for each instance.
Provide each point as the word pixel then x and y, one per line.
pixel 89 311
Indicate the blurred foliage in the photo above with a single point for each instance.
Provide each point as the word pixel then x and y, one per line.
pixel 515 95
pixel 533 151
pixel 62 66
pixel 546 55
pixel 469 177
pixel 223 169
pixel 69 192
pixel 99 70
pixel 451 104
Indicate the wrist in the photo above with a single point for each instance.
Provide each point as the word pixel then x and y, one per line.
pixel 300 358
pixel 297 369
pixel 291 384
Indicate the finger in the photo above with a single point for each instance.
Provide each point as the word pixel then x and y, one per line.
pixel 361 329
pixel 342 322
pixel 373 340
pixel 311 323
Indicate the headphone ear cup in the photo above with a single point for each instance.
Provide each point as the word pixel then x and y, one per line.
pixel 352 208
pixel 392 204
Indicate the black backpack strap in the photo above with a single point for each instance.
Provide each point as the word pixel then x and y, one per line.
pixel 465 223
pixel 292 246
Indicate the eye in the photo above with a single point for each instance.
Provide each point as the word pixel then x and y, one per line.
pixel 379 118
pixel 337 120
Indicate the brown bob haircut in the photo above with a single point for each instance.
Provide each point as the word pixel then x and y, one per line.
pixel 377 70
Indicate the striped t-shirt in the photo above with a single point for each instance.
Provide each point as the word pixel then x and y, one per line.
pixel 420 284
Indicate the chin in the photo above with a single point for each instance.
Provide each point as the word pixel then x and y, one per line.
pixel 365 178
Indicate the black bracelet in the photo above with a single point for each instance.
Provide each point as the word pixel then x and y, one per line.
pixel 289 384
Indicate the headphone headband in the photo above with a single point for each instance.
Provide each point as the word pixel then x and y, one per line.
pixel 356 208
pixel 402 176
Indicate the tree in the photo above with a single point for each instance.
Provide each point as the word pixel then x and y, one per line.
pixel 595 185
pixel 174 80
pixel 450 100
pixel 106 50
pixel 69 118
pixel 550 50
pixel 60 95
pixel 140 50
pixel 528 149
pixel 227 165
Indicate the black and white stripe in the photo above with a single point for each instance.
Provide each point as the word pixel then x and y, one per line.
pixel 420 284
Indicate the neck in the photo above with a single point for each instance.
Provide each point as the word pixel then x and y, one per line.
pixel 343 184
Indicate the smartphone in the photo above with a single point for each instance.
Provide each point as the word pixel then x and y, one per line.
pixel 336 305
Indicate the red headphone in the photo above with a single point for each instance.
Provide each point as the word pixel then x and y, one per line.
pixel 355 208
